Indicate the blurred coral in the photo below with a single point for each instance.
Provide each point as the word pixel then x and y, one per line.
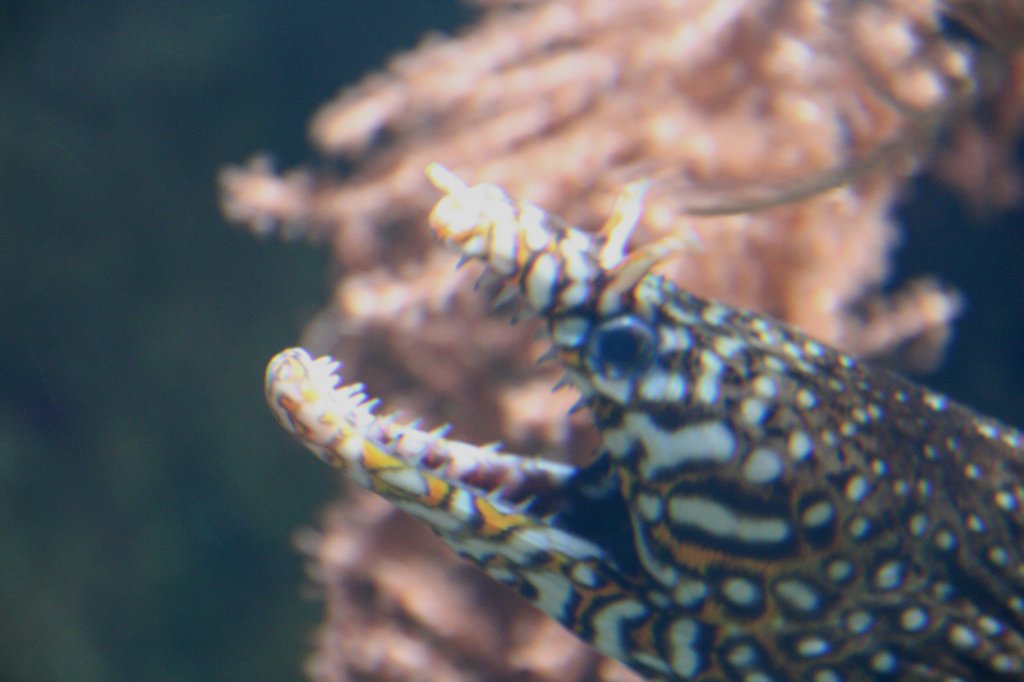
pixel 998 22
pixel 980 160
pixel 784 129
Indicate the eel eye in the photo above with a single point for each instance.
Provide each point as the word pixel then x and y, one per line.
pixel 620 347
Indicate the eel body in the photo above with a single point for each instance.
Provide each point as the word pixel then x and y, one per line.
pixel 761 507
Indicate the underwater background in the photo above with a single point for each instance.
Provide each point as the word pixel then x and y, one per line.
pixel 147 499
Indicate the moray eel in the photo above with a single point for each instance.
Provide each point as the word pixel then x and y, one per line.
pixel 761 507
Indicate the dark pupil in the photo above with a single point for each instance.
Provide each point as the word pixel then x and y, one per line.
pixel 620 347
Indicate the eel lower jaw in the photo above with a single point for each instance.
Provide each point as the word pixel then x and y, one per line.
pixel 395 459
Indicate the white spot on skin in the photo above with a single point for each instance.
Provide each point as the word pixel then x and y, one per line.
pixel 569 332
pixel 805 399
pixel 407 479
pixel 1006 501
pixel 608 625
pixel 856 489
pixel 650 506
pixel 584 575
pixel 799 445
pixel 504 246
pixel 998 556
pixel 741 591
pixel 573 294
pixel 918 525
pixel 945 540
pixel 762 466
pixel 708 383
pixel 533 229
pixel 765 387
pixel 859 527
pixel 663 572
pixel 889 575
pixel 674 338
pixel 540 281
pixel 690 593
pixel 793 350
pixel 991 626
pixel 753 410
pixel 727 346
pixel 716 519
pixel 1005 664
pixel 522 544
pixel 668 450
pixel 962 637
pixel 813 349
pixel 883 662
pixel 913 619
pixel 683 634
pixel 935 401
pixel 618 442
pixel 742 655
pixel 988 431
pixel 798 594
pixel 714 314
pixel 810 647
pixel 461 505
pixel 858 622
pixel 439 520
pixel 818 514
pixel 502 575
pixel 554 592
pixel 660 386
pixel 651 661
pixel 652 386
pixel 840 570
pixel 620 390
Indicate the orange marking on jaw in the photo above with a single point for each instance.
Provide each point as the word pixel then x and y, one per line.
pixel 437 492
pixel 376 459
pixel 495 521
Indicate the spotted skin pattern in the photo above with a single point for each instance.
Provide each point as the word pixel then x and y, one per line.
pixel 761 508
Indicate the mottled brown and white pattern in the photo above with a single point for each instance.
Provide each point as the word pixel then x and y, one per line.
pixel 762 507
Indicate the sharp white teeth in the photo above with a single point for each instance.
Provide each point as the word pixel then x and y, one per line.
pixel 547 356
pixel 414 425
pixel 523 313
pixel 507 295
pixel 578 405
pixel 388 420
pixel 564 381
pixel 487 278
pixel 441 431
pixel 491 447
